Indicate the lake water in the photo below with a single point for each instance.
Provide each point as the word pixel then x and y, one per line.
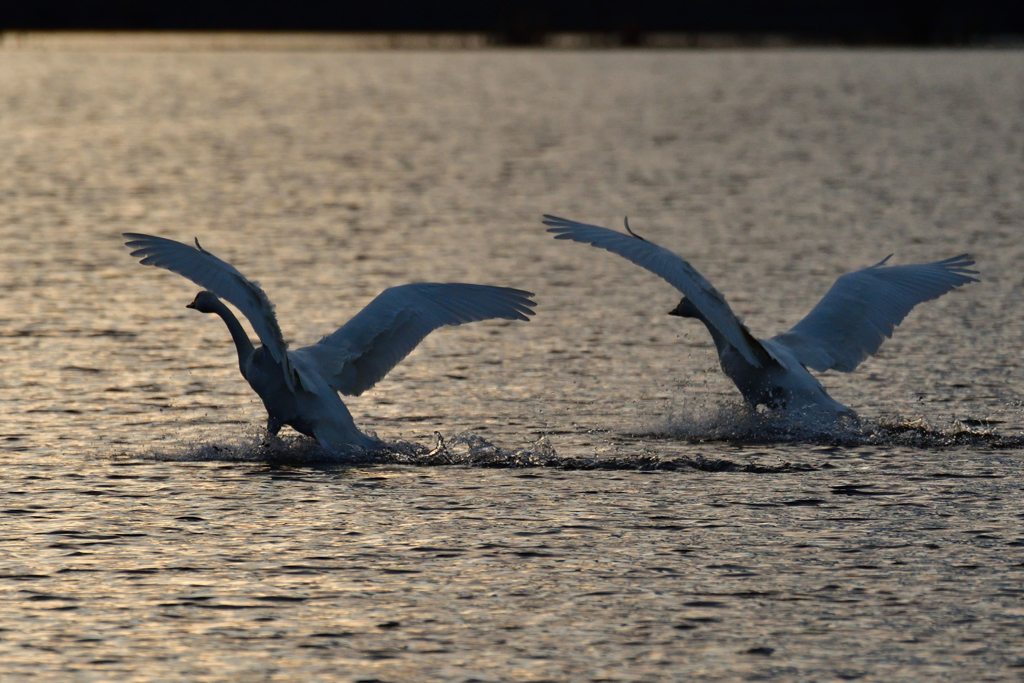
pixel 649 529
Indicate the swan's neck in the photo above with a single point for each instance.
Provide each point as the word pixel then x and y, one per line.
pixel 721 345
pixel 242 344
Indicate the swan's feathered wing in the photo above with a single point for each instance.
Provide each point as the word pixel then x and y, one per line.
pixel 864 307
pixel 671 268
pixel 221 278
pixel 365 349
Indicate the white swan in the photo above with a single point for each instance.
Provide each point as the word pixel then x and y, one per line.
pixel 300 388
pixel 848 325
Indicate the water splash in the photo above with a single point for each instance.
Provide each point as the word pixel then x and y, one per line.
pixel 293 449
pixel 737 424
pixel 475 451
pixel 462 449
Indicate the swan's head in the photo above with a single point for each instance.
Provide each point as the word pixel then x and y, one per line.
pixel 205 302
pixel 685 309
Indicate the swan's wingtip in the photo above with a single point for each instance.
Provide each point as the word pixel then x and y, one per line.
pixel 555 221
pixel 963 261
pixel 133 238
pixel 961 265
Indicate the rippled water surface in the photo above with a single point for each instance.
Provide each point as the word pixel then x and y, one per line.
pixel 577 498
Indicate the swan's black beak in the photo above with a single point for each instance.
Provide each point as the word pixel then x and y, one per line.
pixel 191 305
pixel 685 309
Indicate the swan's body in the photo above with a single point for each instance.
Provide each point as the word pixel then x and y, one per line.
pixel 848 325
pixel 300 388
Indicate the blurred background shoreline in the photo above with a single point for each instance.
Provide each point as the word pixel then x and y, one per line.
pixel 458 24
pixel 322 41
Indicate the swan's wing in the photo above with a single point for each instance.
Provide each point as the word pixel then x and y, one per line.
pixel 671 268
pixel 365 349
pixel 864 307
pixel 221 278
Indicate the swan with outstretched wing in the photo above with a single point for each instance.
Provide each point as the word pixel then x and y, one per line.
pixel 300 388
pixel 849 324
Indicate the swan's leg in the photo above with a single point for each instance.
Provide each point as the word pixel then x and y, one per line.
pixel 320 439
pixel 274 425
pixel 342 442
pixel 325 418
pixel 335 429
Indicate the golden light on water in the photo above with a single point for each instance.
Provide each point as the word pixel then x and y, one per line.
pixel 329 176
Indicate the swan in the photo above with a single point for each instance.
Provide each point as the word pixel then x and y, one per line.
pixel 849 324
pixel 300 387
